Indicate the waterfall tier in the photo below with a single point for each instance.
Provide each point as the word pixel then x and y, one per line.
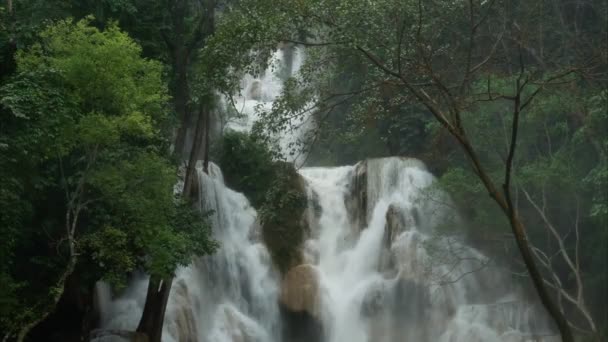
pixel 392 277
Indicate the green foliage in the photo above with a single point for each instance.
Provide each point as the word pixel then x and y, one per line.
pixel 247 165
pixel 281 216
pixel 110 250
pixel 103 69
pixel 560 162
pixel 84 130
pixel 162 233
pixel 274 188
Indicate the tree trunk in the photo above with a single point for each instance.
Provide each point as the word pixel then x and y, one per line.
pixel 181 100
pixel 537 279
pixel 180 47
pixel 519 233
pixel 152 318
pixel 187 192
pixel 26 329
pixel 180 56
pixel 206 150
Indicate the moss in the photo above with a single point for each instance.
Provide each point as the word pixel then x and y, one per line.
pixel 247 164
pixel 282 217
pixel 274 188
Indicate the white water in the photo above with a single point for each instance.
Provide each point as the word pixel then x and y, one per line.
pixel 442 294
pixel 230 296
pixel 258 95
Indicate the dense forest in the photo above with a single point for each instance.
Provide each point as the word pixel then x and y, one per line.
pixel 303 170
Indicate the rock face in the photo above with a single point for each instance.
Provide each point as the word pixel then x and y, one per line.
pixel 395 224
pixel 300 290
pixel 300 327
pixel 375 300
pixel 356 197
pixel 396 313
pixel 185 323
pixel 299 303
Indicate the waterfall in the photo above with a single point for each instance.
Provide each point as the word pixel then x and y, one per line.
pixel 229 296
pixel 258 95
pixel 387 281
pixel 376 266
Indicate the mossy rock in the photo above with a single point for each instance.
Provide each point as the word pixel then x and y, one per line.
pixel 284 226
pixel 274 188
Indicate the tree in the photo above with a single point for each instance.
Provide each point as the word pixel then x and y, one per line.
pixel 85 120
pixel 552 193
pixel 173 31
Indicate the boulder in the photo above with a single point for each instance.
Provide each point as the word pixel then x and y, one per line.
pixel 284 221
pixel 300 326
pixel 300 290
pixel 299 304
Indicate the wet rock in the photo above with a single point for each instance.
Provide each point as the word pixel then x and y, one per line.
pixel 397 312
pixel 300 290
pixel 286 226
pixel 300 326
pixel 412 301
pixel 410 258
pixel 255 91
pixel 396 223
pixel 236 327
pixel 255 233
pixel 374 300
pixel 185 324
pixel 105 335
pixel 355 199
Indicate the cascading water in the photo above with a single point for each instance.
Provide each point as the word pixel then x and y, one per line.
pixel 229 296
pixel 258 94
pixel 376 270
pixel 385 280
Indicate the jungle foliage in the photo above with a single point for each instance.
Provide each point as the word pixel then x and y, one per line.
pixel 94 93
pixel 87 182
